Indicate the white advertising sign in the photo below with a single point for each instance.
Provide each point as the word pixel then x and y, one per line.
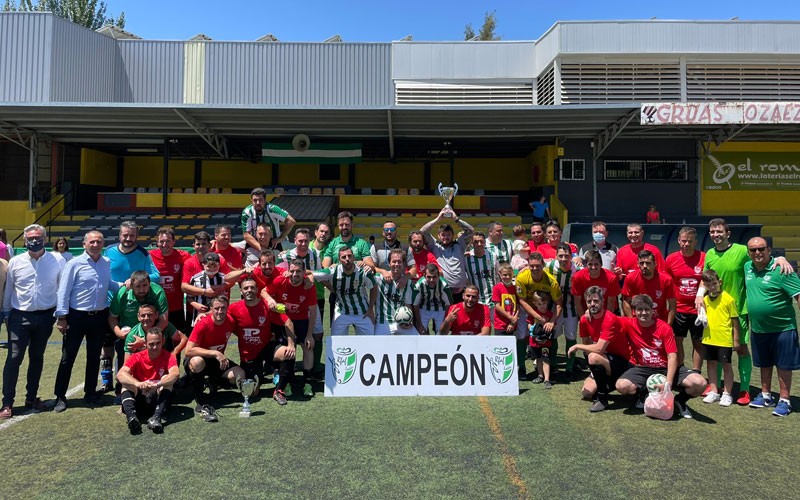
pixel 421 366
pixel 719 113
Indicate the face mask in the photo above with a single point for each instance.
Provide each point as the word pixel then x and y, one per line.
pixel 598 237
pixel 34 246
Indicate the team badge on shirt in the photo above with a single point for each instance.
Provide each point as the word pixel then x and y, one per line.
pixel 262 320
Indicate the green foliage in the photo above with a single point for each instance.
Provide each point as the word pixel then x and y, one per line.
pixel 89 13
pixel 487 31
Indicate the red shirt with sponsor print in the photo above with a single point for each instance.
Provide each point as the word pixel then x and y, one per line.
pixel 686 273
pixel 469 323
pixel 582 280
pixel 660 288
pixel 609 328
pixel 171 269
pixel 209 335
pixel 628 258
pixel 252 327
pixel 143 368
pixel 192 266
pixel 297 299
pixel 649 345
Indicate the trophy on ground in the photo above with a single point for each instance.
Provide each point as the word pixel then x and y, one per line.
pixel 247 387
pixel 447 193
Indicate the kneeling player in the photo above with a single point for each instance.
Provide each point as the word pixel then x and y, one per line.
pixel 654 351
pixel 607 347
pixel 258 347
pixel 205 356
pixel 147 379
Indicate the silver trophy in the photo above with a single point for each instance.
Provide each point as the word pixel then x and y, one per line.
pixel 447 193
pixel 247 387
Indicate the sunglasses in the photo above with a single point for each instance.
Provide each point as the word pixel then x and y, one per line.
pixel 389 229
pixel 757 249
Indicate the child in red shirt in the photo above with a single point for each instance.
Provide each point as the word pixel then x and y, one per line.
pixel 540 340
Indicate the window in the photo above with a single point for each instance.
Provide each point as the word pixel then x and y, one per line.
pixel 571 170
pixel 645 170
pixel 329 172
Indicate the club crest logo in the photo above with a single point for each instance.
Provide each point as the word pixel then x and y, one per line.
pixel 501 362
pixel 176 267
pixel 658 294
pixel 262 320
pixel 344 364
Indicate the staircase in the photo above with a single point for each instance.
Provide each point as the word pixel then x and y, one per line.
pixel 784 230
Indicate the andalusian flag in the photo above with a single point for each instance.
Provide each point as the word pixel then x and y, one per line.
pixel 280 152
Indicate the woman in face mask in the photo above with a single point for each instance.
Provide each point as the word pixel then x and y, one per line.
pixel 61 247
pixel 5 251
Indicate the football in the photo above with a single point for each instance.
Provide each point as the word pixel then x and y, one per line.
pixel 654 380
pixel 404 316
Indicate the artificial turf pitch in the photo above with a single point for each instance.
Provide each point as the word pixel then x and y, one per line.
pixel 538 444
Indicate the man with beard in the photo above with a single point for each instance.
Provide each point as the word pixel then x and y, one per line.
pixel 259 212
pixel 650 281
pixel 169 262
pixel 380 253
pixel 264 237
pixel 607 348
pixel 497 246
pixel 258 347
pixel 356 294
pixel 394 291
pixel 421 255
pixel 450 252
pixel 432 298
pixel 222 245
pixel 346 239
pixel 468 317
pixel 174 339
pixel 481 269
pixel 595 275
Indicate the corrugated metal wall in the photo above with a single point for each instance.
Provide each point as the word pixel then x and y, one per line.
pixel 327 75
pixel 25 43
pixel 463 60
pixel 153 71
pixel 83 64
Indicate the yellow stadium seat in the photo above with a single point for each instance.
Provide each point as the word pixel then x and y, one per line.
pixel 202 190
pixel 327 191
pixel 176 190
pixel 316 191
pixel 213 191
pixel 279 190
pixel 188 191
pixel 414 192
pixel 339 190
pixel 402 191
pixel 227 191
pixel 305 190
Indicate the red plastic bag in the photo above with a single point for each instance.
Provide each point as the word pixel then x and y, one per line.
pixel 660 405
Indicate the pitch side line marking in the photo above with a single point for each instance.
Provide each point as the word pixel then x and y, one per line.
pixel 508 460
pixel 14 420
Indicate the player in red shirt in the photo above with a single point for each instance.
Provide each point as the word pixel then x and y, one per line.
pixel 549 249
pixel 468 317
pixel 653 351
pixel 647 280
pixel 685 267
pixel 205 356
pixel 628 255
pixel 537 236
pixel 608 350
pixel 595 275
pixel 422 256
pixel 258 347
pixel 540 339
pixel 194 265
pixel 147 379
pixel 169 262
pixel 222 245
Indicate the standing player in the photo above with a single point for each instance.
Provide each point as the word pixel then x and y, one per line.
pixel 537 236
pixel 496 245
pixel 346 239
pixel 562 269
pixel 628 255
pixel 380 253
pixel 535 279
pixel 222 246
pixel 481 268
pixel 650 281
pixel 174 340
pixel 169 262
pixel 507 314
pixel 449 251
pixel 685 267
pixel 421 255
pixel 432 297
pixel 468 317
pixel 595 275
pixel 607 347
pixel 394 291
pixel 205 356
pixel 356 294
pixel 258 347
pixel 258 212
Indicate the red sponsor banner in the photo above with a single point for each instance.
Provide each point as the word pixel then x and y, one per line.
pixel 719 113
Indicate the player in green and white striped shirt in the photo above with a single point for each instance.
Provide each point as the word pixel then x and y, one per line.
pixel 481 269
pixel 495 244
pixel 562 269
pixel 432 298
pixel 356 294
pixel 259 211
pixel 394 290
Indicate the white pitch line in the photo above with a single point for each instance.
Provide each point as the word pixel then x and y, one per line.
pixel 13 420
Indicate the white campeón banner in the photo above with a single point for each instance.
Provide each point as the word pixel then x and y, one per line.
pixel 421 366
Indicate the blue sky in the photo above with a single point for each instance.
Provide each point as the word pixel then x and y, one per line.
pixel 383 21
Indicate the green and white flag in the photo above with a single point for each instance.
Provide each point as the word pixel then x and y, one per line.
pixel 284 152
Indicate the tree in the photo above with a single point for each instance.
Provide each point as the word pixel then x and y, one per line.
pixel 89 13
pixel 487 30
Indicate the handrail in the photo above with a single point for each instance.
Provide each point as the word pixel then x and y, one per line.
pixel 49 212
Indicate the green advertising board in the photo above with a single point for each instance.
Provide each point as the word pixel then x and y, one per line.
pixel 742 171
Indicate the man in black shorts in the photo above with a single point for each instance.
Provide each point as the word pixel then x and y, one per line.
pixel 259 348
pixel 654 351
pixel 205 356
pixel 607 347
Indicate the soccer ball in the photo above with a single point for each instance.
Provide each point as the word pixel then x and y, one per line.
pixel 404 316
pixel 654 380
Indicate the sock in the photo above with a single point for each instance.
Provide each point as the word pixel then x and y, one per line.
pixel 284 372
pixel 128 404
pixel 317 352
pixel 571 358
pixel 164 399
pixel 198 384
pixel 720 380
pixel 306 377
pixel 786 401
pixel 554 356
pixel 601 379
pixel 682 397
pixel 522 348
pixel 745 370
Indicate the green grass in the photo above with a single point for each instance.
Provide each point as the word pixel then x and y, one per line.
pixel 399 448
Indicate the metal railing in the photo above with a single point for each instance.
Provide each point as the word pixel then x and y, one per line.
pixel 48 214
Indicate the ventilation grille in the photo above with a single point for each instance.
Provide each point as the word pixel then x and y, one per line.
pixel 456 94
pixel 742 82
pixel 610 83
pixel 546 88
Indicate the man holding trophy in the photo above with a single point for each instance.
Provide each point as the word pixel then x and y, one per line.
pixel 449 251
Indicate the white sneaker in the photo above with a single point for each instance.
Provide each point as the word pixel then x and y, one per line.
pixel 726 399
pixel 713 397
